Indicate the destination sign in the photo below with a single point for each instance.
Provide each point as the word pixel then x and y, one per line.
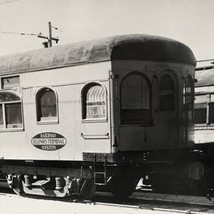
pixel 48 141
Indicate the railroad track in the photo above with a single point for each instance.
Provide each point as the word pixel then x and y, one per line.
pixel 162 202
pixel 139 201
pixel 188 199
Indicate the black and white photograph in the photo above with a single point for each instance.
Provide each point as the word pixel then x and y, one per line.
pixel 106 106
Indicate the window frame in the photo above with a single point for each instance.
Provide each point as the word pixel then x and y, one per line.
pixel 207 104
pixel 4 128
pixel 164 92
pixel 8 77
pixel 84 91
pixel 205 119
pixel 201 105
pixel 52 120
pixel 189 106
pixel 142 111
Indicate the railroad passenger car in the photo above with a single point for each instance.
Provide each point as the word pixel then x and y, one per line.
pixel 204 105
pixel 101 112
pixel 204 122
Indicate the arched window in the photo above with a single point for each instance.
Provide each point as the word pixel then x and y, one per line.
pixel 94 102
pixel 10 111
pixel 167 93
pixel 189 96
pixel 136 100
pixel 46 104
pixel 189 91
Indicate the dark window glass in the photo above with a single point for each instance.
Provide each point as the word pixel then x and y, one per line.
pixel 200 115
pixel 167 93
pixel 135 100
pixel 94 102
pixel 10 82
pixel 1 116
pixel 211 112
pixel 13 115
pixel 189 97
pixel 10 110
pixel 46 104
pixel 189 91
pixel 135 93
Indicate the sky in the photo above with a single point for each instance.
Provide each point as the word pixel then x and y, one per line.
pixel 188 21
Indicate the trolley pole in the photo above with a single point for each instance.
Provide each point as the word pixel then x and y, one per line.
pixel 50 34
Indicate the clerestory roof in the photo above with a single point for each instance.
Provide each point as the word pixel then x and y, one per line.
pixel 125 47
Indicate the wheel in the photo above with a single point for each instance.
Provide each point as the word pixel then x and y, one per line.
pixel 122 187
pixel 15 183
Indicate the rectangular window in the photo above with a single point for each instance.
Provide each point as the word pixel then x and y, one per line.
pixel 1 117
pixel 204 109
pixel 211 113
pixel 13 115
pixel 10 82
pixel 200 115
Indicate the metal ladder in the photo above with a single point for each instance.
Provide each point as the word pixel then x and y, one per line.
pixel 100 175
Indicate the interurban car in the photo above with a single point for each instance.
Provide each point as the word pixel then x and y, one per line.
pixel 103 112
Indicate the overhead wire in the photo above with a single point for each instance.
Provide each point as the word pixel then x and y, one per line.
pixel 17 33
pixel 9 1
pixel 27 34
pixel 68 36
